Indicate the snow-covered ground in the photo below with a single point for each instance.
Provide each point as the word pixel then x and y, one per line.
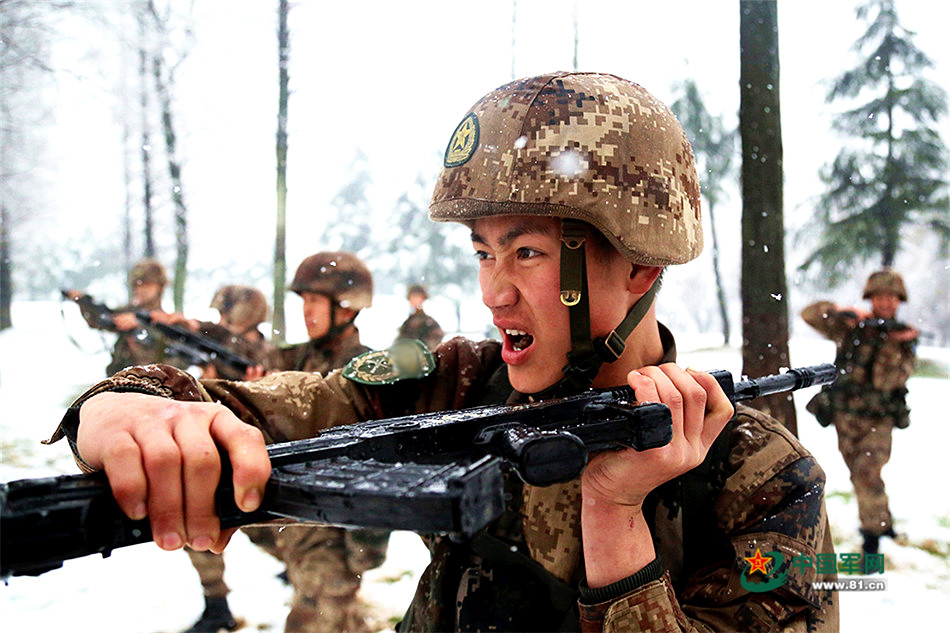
pixel 144 589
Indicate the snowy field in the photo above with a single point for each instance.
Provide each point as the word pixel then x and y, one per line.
pixel 142 589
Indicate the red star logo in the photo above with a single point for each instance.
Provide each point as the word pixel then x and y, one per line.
pixel 757 562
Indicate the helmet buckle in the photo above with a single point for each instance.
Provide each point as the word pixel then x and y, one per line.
pixel 570 297
pixel 611 347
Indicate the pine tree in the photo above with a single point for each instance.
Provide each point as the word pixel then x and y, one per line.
pixel 893 174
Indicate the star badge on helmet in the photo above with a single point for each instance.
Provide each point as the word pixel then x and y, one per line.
pixel 463 142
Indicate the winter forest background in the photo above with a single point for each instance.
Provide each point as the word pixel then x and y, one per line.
pixel 116 116
pixel 92 91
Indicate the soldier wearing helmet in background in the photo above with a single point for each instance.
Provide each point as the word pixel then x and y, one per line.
pixel 242 309
pixel 420 325
pixel 325 564
pixel 875 357
pixel 147 280
pixel 334 287
pixel 578 189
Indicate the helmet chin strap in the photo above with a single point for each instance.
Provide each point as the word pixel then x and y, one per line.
pixel 335 329
pixel 587 353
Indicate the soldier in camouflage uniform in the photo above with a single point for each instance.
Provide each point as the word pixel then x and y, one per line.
pixel 875 358
pixel 419 325
pixel 324 564
pixel 578 188
pixel 147 280
pixel 242 309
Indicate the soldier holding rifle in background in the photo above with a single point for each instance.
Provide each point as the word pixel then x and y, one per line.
pixel 147 279
pixel 875 357
pixel 578 188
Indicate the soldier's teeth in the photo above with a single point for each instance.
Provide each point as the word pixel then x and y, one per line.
pixel 515 333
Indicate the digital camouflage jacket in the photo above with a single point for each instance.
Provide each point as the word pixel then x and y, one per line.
pixel 873 366
pixel 320 356
pixel 764 492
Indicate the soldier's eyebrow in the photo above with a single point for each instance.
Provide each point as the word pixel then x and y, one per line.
pixel 522 228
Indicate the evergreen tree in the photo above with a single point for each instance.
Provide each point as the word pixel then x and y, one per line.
pixel 437 254
pixel 714 148
pixel 894 172
pixel 351 228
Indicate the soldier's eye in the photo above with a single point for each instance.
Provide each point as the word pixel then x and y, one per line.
pixel 527 253
pixel 481 255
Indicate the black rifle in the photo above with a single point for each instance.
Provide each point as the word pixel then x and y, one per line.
pixel 428 473
pixel 190 346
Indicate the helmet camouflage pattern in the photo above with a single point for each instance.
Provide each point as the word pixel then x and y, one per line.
pixel 592 147
pixel 341 276
pixel 885 281
pixel 148 271
pixel 243 306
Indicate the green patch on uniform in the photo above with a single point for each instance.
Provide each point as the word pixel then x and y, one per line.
pixel 463 143
pixel 406 359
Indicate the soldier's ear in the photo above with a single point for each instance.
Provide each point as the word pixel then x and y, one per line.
pixel 642 278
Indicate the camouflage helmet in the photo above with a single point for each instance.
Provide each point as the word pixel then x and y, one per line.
pixel 592 147
pixel 885 280
pixel 417 289
pixel 341 276
pixel 242 306
pixel 148 271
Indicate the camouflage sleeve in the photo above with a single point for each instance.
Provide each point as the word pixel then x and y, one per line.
pixel 294 405
pixel 773 501
pixel 95 318
pixel 823 316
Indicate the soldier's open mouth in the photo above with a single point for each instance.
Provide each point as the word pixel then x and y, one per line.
pixel 519 340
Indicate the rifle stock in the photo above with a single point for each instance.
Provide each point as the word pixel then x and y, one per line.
pixel 429 473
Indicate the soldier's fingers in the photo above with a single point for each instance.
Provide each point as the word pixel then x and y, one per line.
pixel 693 399
pixel 719 409
pixel 162 461
pixel 668 395
pixel 222 541
pixel 123 466
pixel 201 473
pixel 643 387
pixel 247 451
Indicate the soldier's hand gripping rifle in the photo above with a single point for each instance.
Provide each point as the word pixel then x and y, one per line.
pixel 428 473
pixel 178 341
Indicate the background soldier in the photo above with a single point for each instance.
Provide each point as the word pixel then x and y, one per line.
pixel 420 325
pixel 567 172
pixel 324 564
pixel 242 309
pixel 147 280
pixel 875 358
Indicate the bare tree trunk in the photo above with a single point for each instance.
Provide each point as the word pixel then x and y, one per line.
pixel 764 289
pixel 280 245
pixel 146 148
pixel 720 291
pixel 6 276
pixel 174 171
